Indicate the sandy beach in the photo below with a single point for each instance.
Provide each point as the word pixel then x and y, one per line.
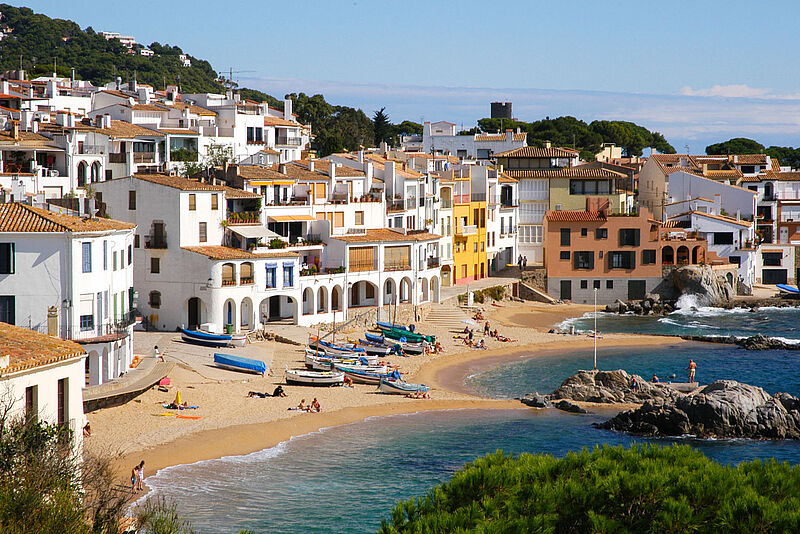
pixel 231 423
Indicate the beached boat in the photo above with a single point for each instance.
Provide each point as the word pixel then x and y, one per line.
pixel 409 348
pixel 375 338
pixel 314 378
pixel 320 362
pixel 791 290
pixel 401 387
pixel 333 349
pixel 238 363
pixel 383 324
pixel 198 337
pixel 376 349
pixel 377 369
pixel 406 335
pixel 365 377
pixel 400 329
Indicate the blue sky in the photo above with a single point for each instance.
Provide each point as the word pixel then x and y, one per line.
pixel 697 71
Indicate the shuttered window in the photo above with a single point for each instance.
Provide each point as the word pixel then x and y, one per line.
pixel 338 219
pixel 7 258
pixel 361 259
pixel 397 258
pixel 319 191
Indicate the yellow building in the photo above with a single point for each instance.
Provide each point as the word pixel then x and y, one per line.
pixel 469 235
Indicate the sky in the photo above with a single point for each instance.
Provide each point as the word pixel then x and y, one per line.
pixel 697 71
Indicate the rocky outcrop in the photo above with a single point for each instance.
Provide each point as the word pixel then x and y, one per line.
pixel 699 280
pixel 756 342
pixel 611 387
pixel 536 400
pixel 571 407
pixel 725 409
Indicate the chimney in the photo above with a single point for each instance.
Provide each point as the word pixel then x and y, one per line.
pixel 4 87
pixel 282 168
pixel 332 173
pixel 132 85
pixel 35 125
pixel 287 109
pixel 311 165
pixel 548 144
pixel 509 136
pixel 15 130
pixel 52 88
pixel 389 176
pixel 705 169
pixel 361 157
pixel 144 95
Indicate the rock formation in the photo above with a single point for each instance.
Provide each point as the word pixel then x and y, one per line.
pixel 610 387
pixel 536 400
pixel 699 280
pixel 725 409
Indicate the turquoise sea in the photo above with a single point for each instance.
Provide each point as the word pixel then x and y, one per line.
pixel 347 478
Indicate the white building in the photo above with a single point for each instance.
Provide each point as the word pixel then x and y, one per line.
pixel 70 277
pixel 441 138
pixel 44 377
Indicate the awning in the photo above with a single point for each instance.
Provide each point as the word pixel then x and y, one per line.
pixel 291 218
pixel 271 182
pixel 253 232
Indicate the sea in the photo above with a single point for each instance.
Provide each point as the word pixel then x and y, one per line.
pixel 348 478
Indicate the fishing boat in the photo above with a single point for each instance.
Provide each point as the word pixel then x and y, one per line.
pixel 382 324
pixel 377 369
pixel 376 349
pixel 238 363
pixel 365 377
pixel 401 387
pixel 400 329
pixel 375 338
pixel 333 349
pixel 791 290
pixel 314 378
pixel 198 337
pixel 406 335
pixel 324 363
pixel 410 348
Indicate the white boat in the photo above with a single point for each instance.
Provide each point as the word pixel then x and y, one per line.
pixel 323 363
pixel 314 378
pixel 379 369
pixel 400 387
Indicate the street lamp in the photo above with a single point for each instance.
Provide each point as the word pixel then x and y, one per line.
pixel 595 329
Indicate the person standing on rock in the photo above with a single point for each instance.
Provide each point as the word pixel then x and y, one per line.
pixel 691 368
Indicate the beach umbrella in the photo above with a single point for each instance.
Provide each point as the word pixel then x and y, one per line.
pixel 177 398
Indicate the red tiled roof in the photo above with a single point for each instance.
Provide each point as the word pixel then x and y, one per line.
pixel 579 171
pixel 28 349
pixel 232 192
pixel 15 217
pixel 270 120
pixel 229 253
pixel 537 152
pixel 378 235
pixel 177 182
pixel 575 216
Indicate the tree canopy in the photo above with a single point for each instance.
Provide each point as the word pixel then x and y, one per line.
pixel 609 489
pixel 737 145
pixel 588 138
pixel 381 127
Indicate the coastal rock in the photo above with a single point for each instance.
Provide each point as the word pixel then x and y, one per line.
pixel 536 400
pixel 611 387
pixel 725 408
pixel 568 406
pixel 762 342
pixel 700 281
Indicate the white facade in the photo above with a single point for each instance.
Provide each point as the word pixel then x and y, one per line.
pixel 441 138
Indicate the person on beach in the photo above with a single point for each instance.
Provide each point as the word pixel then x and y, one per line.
pixel 134 477
pixel 634 385
pixel 302 406
pixel 692 367
pixel 279 391
pixel 348 382
pixel 87 430
pixel 471 335
pixel 140 478
pixel 655 379
pixel 486 329
pixel 315 407
pixel 157 353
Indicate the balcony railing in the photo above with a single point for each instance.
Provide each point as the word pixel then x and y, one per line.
pixel 447 203
pixel 228 282
pixel 288 140
pixel 117 157
pixel 155 241
pixel 144 157
pixel 396 266
pixel 246 280
pixel 466 230
pixel 91 149
pixel 433 263
pixel 244 217
pixel 119 327
pixel 397 205
pixel 361 265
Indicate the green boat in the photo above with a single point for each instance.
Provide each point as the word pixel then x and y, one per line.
pixel 411 337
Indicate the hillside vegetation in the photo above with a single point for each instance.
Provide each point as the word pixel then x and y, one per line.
pixel 609 489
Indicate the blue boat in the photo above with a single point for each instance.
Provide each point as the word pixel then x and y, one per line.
pixel 238 363
pixel 332 349
pixel 375 338
pixel 212 340
pixel 395 326
pixel 788 289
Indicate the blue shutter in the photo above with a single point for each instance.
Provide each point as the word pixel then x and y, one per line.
pixel 87 257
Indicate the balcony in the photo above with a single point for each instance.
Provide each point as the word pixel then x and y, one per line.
pixel 288 140
pixel 118 329
pixel 91 149
pixel 396 205
pixel 462 230
pixel 144 157
pixel 357 266
pixel 117 157
pixel 478 197
pixel 433 263
pixel 182 154
pixel 447 203
pixel 246 280
pixel 228 282
pixel 244 217
pixel 155 241
pixel 396 266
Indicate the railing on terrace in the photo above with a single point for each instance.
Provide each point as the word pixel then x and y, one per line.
pixel 117 157
pixel 296 201
pixel 91 149
pixel 461 199
pixel 396 205
pixel 288 140
pixel 433 263
pixel 411 203
pixel 245 280
pixel 256 141
pixel 144 157
pixel 96 331
pixel 244 217
pixel 313 271
pixel 361 265
pixel 396 266
pixel 447 203
pixel 466 230
pixel 228 282
pixel 477 197
pixel 155 241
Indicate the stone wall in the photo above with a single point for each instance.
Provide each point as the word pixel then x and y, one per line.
pixel 365 318
pixel 536 277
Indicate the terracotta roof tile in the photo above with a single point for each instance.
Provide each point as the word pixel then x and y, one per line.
pixel 15 217
pixel 26 139
pixel 500 137
pixel 575 215
pixel 28 349
pixel 579 171
pixel 232 192
pixel 197 110
pixel 379 235
pixel 178 131
pixel 271 120
pixel 230 253
pixel 149 107
pixel 126 130
pixel 537 152
pixel 177 182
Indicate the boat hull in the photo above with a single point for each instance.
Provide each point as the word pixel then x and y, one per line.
pixel 399 387
pixel 238 363
pixel 313 378
pixel 203 338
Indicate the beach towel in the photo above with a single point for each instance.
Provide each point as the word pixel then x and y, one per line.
pixel 188 416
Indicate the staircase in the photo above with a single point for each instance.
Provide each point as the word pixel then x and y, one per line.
pixel 448 317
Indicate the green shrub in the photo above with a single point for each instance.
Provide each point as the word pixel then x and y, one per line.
pixel 610 489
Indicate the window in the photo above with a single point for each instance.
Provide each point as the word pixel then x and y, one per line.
pixel 530 234
pixel 475 247
pixel 8 309
pixel 114 256
pixel 648 257
pixel 130 254
pixel 63 401
pixel 136 241
pixel 155 265
pixel 87 322
pixel 132 200
pixel 192 202
pixel 155 299
pixel 609 284
pixel 584 284
pixel 288 275
pixel 629 237
pixel 583 260
pixel 271 275
pixel 736 260
pixel 565 237
pixel 601 233
pixel 32 401
pixel 203 236
pixel 772 259
pixel 483 245
pixel 564 255
pixel 359 218
pixel 723 238
pixel 584 232
pixel 590 187
pixel 87 257
pixel 7 258
pixel 621 259
pixel 596 284
pixel 215 201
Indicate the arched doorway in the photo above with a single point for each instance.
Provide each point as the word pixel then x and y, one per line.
pixel 278 308
pixel 729 278
pixel 82 172
pixel 424 290
pixel 446 276
pixel 106 368
pixel 93 363
pixel 683 255
pixel 229 312
pixel 667 256
pixel 336 298
pixel 194 313
pixel 698 255
pixel 405 290
pixel 363 293
pixel 308 301
pixel 389 292
pixel 434 289
pixel 322 300
pixel 246 314
pixel 96 169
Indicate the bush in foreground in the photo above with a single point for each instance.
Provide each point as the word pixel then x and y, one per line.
pixel 609 489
